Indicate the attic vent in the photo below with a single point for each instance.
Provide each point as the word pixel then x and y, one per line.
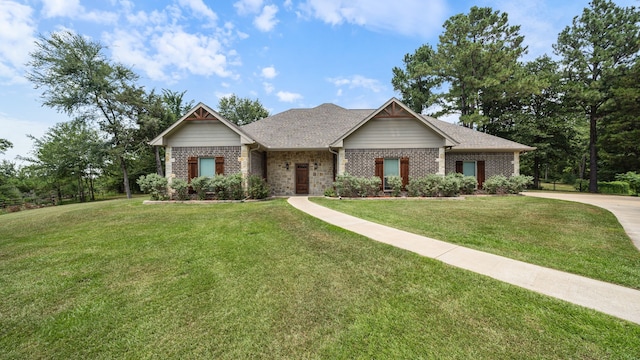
pixel 393 111
pixel 201 114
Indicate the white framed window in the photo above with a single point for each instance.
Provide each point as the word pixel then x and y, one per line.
pixel 391 168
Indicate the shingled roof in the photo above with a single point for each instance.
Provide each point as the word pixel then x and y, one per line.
pixel 310 129
pixel 316 128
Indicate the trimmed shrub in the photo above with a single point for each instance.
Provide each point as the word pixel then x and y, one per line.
pixel 613 187
pixel 497 184
pixel 181 188
pixel 330 192
pixel 631 178
pixel 518 183
pixel 429 185
pixel 352 186
pixel 468 184
pixel 154 185
pixel 450 186
pixel 258 187
pixel 395 182
pixel 201 185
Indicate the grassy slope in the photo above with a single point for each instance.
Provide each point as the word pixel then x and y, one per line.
pixel 578 238
pixel 121 280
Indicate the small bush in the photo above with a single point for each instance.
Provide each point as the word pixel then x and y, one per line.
pixel 631 178
pixel 352 186
pixel 330 192
pixel 429 185
pixel 497 184
pixel 468 184
pixel 500 184
pixel 450 185
pixel 519 183
pixel 154 185
pixel 581 185
pixel 258 187
pixel 395 183
pixel 201 185
pixel 613 187
pixel 181 188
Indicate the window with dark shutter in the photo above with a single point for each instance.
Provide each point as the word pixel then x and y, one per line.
pixel 192 167
pixel 379 172
pixel 219 165
pixel 459 167
pixel 480 172
pixel 404 171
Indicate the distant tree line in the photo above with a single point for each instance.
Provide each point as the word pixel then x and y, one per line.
pixel 580 111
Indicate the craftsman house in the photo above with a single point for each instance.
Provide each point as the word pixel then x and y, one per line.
pixel 300 151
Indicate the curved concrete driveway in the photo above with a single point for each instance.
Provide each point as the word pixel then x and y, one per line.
pixel 625 208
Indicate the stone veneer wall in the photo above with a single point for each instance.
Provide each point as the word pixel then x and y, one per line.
pixel 282 181
pixel 361 162
pixel 182 154
pixel 495 163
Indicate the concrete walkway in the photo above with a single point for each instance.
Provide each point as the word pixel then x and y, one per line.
pixel 625 208
pixel 611 299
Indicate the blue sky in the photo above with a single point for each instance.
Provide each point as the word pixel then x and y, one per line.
pixel 288 54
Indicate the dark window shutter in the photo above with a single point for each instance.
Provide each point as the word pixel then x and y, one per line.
pixel 480 174
pixel 459 167
pixel 192 167
pixel 380 170
pixel 219 165
pixel 404 171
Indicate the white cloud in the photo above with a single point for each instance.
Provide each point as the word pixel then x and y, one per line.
pixel 199 9
pixel 268 87
pixel 246 7
pixel 269 72
pixel 73 9
pixel 406 17
pixel 286 96
pixel 61 8
pixel 266 21
pixel 357 81
pixel 16 39
pixel 221 95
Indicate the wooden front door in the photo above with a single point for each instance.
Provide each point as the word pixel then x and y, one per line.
pixel 302 178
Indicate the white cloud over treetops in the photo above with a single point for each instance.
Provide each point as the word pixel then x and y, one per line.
pixel 357 81
pixel 16 40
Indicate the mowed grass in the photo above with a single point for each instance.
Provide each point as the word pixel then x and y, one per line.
pixel 119 279
pixel 568 236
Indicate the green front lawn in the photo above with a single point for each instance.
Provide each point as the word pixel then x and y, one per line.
pixel 119 279
pixel 568 236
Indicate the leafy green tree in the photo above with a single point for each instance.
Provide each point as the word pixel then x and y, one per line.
pixel 77 78
pixel 619 142
pixel 604 39
pixel 5 145
pixel 241 111
pixel 477 56
pixel 69 155
pixel 418 79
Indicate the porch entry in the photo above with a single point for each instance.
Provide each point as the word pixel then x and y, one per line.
pixel 302 179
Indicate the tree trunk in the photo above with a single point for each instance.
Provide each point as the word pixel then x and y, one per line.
pixel 536 172
pixel 125 177
pixel 159 169
pixel 593 152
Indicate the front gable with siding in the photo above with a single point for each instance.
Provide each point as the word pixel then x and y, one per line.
pixel 300 151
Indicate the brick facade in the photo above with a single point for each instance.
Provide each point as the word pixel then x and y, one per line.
pixel 361 162
pixel 495 163
pixel 180 155
pixel 282 181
